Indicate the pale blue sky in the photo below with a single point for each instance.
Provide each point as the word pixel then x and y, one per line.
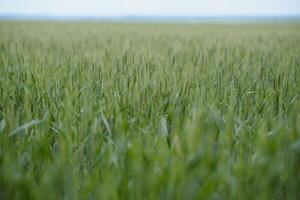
pixel 151 7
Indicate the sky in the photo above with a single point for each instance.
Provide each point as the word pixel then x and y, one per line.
pixel 111 8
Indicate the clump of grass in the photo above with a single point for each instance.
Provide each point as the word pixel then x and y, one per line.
pixel 148 111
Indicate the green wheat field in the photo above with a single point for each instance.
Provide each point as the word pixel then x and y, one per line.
pixel 95 110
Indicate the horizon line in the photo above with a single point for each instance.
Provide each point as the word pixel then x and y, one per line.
pixel 49 17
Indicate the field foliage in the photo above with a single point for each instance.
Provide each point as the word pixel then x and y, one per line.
pixel 149 111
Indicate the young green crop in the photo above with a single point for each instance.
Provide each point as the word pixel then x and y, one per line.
pixel 149 111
